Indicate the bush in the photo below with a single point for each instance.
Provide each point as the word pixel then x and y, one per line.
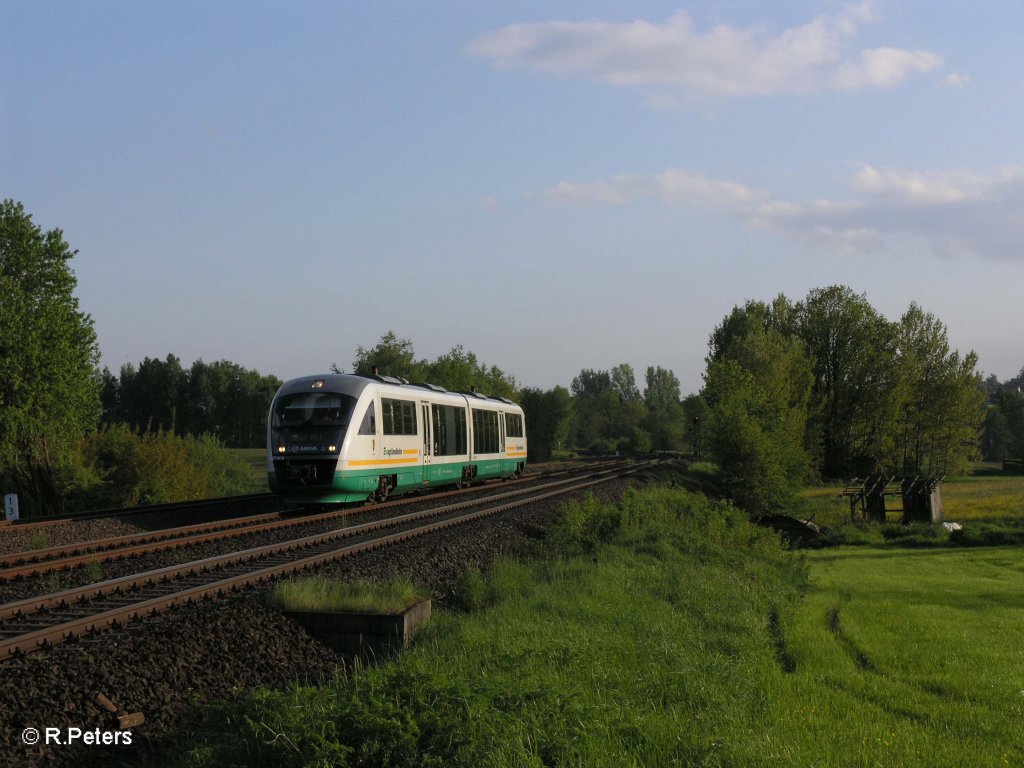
pixel 115 467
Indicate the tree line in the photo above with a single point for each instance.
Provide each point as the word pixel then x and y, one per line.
pixel 1002 435
pixel 827 387
pixel 222 399
pixel 822 387
pixel 603 410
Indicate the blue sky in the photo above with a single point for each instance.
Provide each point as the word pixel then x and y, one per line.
pixel 553 186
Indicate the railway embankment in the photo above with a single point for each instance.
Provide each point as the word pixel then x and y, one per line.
pixel 169 667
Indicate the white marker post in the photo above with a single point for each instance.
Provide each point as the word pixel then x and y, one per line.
pixel 11 507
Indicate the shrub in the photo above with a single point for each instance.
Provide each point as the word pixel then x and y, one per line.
pixel 116 467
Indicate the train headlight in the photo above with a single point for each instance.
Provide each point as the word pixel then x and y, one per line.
pixel 332 449
pixel 281 449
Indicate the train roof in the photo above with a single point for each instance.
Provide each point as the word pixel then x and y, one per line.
pixel 354 383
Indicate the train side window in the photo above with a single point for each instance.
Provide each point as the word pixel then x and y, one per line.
pixel 460 431
pixel 369 425
pixel 449 430
pixel 513 425
pixel 398 417
pixel 440 430
pixel 485 432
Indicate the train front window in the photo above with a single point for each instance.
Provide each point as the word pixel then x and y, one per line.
pixel 310 423
pixel 313 409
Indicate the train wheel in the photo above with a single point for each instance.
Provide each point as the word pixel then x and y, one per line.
pixel 381 494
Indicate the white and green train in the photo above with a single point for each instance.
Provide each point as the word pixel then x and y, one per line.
pixel 344 437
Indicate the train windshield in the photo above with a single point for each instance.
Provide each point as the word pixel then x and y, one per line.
pixel 313 409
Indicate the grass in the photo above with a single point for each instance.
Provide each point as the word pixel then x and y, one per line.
pixel 667 630
pixel 985 494
pixel 906 658
pixel 313 594
pixel 653 649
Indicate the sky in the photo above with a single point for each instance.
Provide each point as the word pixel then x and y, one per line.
pixel 554 186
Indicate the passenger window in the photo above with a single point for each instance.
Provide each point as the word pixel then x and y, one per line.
pixel 369 425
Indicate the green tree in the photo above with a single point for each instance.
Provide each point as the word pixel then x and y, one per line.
pixel 391 356
pixel 937 406
pixel 49 382
pixel 664 420
pixel 461 371
pixel 624 383
pixel 662 388
pixel 853 353
pixel 743 437
pixel 547 420
pixel 758 395
pixel 1008 403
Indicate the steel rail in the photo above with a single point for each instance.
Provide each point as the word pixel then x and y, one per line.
pixel 36 522
pixel 31 563
pixel 135 608
pixel 71 517
pixel 133 581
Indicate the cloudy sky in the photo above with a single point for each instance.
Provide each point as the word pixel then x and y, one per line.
pixel 553 185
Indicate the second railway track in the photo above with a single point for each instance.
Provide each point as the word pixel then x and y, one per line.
pixel 37 562
pixel 43 621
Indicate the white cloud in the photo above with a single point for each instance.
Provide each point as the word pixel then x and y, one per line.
pixel 955 212
pixel 675 185
pixel 722 62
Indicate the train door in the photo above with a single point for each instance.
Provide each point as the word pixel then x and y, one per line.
pixel 428 441
pixel 501 442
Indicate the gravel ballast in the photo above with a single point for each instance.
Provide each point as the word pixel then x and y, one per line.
pixel 169 666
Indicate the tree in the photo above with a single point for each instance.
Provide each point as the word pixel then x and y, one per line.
pixel 221 399
pixel 852 349
pixel 457 371
pixel 744 437
pixel 547 420
pixel 662 388
pixel 391 356
pixel 624 383
pixel 665 419
pixel 937 408
pixel 461 371
pixel 49 382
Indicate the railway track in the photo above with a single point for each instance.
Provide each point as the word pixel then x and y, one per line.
pixel 39 622
pixel 228 502
pixel 38 562
pixel 30 523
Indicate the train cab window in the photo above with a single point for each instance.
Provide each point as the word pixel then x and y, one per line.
pixel 485 431
pixel 369 425
pixel 513 425
pixel 313 409
pixel 398 417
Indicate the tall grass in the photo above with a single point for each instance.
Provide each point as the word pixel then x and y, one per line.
pixel 316 594
pixel 667 630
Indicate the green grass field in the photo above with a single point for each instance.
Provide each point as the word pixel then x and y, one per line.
pixel 908 658
pixel 985 494
pixel 670 631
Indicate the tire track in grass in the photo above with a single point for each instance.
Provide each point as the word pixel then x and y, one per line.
pixel 860 658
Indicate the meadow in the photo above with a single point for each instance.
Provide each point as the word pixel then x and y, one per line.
pixel 668 630
pixel 983 494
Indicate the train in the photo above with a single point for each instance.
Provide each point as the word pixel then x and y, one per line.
pixel 342 438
